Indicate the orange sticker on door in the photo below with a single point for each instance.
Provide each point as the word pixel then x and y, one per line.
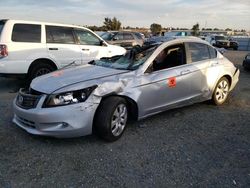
pixel 172 82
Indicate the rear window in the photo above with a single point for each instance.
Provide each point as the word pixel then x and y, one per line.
pixel 57 34
pixel 26 33
pixel 199 51
pixel 212 52
pixel 1 26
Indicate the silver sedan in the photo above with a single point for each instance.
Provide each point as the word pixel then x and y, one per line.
pixel 102 95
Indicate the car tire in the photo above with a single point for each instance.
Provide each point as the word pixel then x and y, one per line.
pixel 221 91
pixel 40 69
pixel 111 118
pixel 235 48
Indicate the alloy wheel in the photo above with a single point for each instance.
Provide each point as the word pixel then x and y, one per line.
pixel 221 91
pixel 119 119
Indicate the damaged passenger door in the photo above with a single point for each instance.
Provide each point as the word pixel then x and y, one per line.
pixel 166 83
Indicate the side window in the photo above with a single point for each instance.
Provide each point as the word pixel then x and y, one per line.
pixel 128 36
pixel 26 33
pixel 57 34
pixel 212 52
pixel 138 36
pixel 119 36
pixel 171 56
pixel 87 38
pixel 198 51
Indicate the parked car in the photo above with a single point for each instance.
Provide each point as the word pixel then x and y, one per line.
pixel 104 94
pixel 36 48
pixel 246 62
pixel 221 41
pixel 125 39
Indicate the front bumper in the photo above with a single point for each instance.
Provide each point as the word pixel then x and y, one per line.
pixel 62 122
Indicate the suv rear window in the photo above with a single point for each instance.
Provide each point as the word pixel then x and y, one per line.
pixel 26 33
pixel 58 34
pixel 1 26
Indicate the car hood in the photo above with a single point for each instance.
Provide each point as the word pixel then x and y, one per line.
pixel 51 82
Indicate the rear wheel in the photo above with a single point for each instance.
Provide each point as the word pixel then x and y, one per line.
pixel 221 91
pixel 40 69
pixel 111 118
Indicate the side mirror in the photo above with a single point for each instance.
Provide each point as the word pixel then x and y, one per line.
pixel 102 43
pixel 115 38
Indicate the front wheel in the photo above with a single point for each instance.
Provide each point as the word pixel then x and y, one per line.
pixel 111 118
pixel 221 91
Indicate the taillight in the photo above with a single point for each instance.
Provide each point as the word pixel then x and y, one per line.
pixel 3 50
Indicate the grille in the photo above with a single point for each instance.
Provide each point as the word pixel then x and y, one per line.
pixel 26 100
pixel 26 122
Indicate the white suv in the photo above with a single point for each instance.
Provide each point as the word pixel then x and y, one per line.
pixel 36 48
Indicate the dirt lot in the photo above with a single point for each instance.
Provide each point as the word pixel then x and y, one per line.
pixel 196 146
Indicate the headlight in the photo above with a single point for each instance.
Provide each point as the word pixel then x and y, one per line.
pixel 68 98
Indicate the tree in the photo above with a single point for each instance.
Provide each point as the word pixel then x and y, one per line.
pixel 112 24
pixel 155 28
pixel 216 29
pixel 228 29
pixel 195 30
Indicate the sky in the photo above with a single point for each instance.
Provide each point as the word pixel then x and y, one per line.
pixel 221 14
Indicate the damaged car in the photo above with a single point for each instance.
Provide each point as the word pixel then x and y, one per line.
pixel 103 95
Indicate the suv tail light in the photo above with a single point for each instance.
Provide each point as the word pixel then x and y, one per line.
pixel 3 50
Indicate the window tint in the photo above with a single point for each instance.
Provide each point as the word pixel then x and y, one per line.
pixel 1 26
pixel 212 52
pixel 172 56
pixel 119 36
pixel 128 36
pixel 138 36
pixel 26 33
pixel 107 36
pixel 57 34
pixel 87 38
pixel 198 51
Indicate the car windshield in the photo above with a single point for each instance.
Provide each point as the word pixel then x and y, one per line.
pixel 130 61
pixel 220 38
pixel 107 35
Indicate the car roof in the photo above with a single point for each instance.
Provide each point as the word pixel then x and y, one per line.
pixel 41 22
pixel 186 39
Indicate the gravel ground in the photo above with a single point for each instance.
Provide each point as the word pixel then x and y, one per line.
pixel 196 146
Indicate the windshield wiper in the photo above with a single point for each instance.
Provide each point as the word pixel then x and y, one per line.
pixel 113 58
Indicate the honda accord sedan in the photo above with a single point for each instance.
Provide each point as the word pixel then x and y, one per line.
pixel 103 95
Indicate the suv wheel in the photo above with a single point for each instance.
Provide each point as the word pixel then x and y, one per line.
pixel 40 69
pixel 111 118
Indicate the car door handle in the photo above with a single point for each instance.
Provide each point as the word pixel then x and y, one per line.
pixel 214 64
pixel 85 49
pixel 53 48
pixel 185 72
